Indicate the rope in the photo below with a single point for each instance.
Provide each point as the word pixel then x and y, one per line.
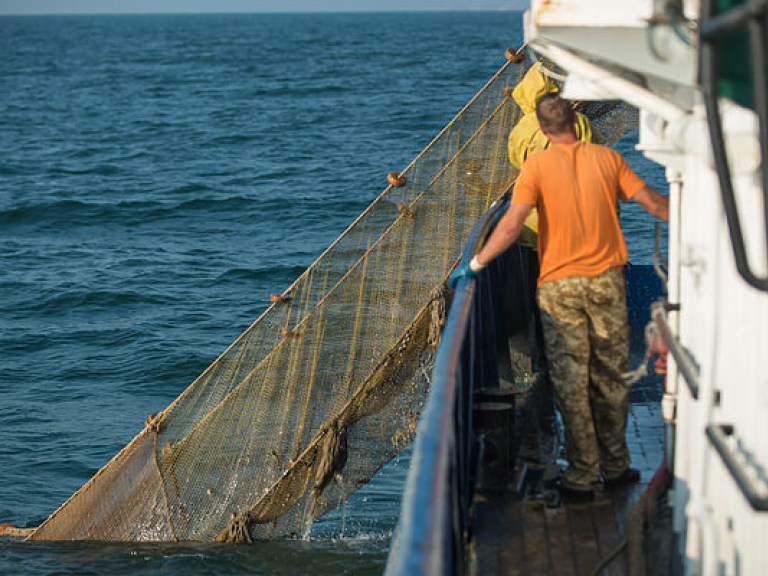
pixel 439 313
pixel 8 530
pixel 333 457
pixel 651 333
pixel 547 71
pixel 612 555
pixel 635 541
pixel 237 532
pixel 658 261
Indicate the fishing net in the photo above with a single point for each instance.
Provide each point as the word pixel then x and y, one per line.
pixel 326 386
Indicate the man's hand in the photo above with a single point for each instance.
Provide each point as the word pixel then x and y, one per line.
pixel 463 271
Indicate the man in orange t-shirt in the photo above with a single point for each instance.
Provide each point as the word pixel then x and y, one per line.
pixel 581 292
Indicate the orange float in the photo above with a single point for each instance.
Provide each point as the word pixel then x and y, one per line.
pixel 514 56
pixel 396 180
pixel 406 212
pixel 5 526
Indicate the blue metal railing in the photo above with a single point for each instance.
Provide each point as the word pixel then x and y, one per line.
pixel 433 523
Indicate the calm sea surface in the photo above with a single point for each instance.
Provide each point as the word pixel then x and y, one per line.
pixel 159 177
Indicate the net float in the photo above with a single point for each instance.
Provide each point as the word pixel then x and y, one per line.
pixel 514 56
pixel 396 180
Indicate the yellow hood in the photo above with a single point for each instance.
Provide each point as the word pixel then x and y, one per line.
pixel 532 87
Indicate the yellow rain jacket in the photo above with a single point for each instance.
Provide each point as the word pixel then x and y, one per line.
pixel 527 138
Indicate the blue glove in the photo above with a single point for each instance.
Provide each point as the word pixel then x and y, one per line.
pixel 463 271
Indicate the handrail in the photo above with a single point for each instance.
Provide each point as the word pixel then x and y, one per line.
pixel 714 26
pixel 756 495
pixel 685 364
pixel 430 534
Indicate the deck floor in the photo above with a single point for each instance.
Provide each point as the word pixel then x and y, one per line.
pixel 540 534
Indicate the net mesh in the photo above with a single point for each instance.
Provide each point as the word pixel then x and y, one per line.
pixel 327 385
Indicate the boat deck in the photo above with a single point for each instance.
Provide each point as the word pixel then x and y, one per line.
pixel 534 532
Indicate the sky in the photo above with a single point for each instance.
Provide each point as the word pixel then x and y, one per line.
pixel 176 6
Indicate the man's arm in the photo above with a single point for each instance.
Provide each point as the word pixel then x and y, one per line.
pixel 503 236
pixel 653 202
pixel 505 233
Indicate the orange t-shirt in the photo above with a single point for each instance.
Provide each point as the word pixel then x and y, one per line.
pixel 575 188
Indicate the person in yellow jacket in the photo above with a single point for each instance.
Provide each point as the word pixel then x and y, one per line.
pixel 526 137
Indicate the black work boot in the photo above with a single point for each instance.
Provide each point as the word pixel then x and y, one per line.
pixel 569 494
pixel 629 476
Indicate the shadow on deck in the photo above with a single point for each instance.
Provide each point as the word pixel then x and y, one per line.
pixel 527 529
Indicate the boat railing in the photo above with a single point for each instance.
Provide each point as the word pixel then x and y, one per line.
pixel 737 34
pixel 749 477
pixel 433 523
pixel 685 364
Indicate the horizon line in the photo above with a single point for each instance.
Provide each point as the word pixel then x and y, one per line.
pixel 234 12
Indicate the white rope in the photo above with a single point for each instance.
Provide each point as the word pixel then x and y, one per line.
pixel 536 57
pixel 651 332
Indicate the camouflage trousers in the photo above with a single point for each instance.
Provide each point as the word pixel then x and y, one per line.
pixel 586 339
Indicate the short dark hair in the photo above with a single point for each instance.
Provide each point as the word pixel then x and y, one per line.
pixel 555 114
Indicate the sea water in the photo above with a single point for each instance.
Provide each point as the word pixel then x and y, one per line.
pixel 159 177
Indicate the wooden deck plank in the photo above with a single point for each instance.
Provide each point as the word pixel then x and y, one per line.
pixel 487 545
pixel 513 560
pixel 512 557
pixel 560 544
pixel 535 539
pixel 609 535
pixel 586 555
